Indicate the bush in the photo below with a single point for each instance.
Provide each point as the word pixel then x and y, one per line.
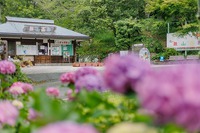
pixel 167 52
pixel 19 75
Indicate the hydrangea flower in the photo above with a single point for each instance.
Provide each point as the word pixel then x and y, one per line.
pixel 67 77
pixel 123 72
pixel 89 79
pixel 32 114
pixel 16 90
pixel 127 127
pixel 172 95
pixel 85 71
pixel 71 94
pixel 66 127
pixel 7 67
pixel 51 91
pixel 8 113
pixel 90 82
pixel 20 88
pixel 18 104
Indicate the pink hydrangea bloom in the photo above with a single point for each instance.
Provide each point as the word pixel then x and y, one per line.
pixel 16 90
pixel 20 88
pixel 172 95
pixel 71 94
pixel 89 79
pixel 123 72
pixel 67 77
pixel 52 91
pixel 32 114
pixel 66 127
pixel 8 113
pixel 7 67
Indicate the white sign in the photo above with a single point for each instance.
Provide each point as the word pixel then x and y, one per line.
pixel 26 50
pixel 1 48
pixel 56 50
pixel 187 42
pixel 123 53
pixel 62 42
pixel 144 54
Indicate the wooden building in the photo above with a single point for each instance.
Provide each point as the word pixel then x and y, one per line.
pixel 38 40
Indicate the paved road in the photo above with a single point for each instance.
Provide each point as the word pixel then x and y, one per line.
pixel 48 76
pixel 49 73
pixel 51 69
pixel 52 73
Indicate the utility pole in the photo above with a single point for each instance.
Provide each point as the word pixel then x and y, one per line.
pixel 168 30
pixel 198 13
pixel 0 12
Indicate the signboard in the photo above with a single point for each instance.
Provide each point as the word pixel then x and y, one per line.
pixel 1 48
pixel 123 53
pixel 67 50
pixel 187 42
pixel 56 50
pixel 144 54
pixel 39 29
pixel 26 50
pixel 136 48
pixel 62 42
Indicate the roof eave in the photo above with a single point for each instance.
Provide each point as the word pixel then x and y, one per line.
pixel 44 36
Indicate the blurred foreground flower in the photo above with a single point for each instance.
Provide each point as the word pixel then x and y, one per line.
pixel 20 88
pixel 7 67
pixel 66 127
pixel 127 127
pixel 32 114
pixel 122 72
pixel 173 95
pixel 18 104
pixel 51 91
pixel 71 94
pixel 90 79
pixel 8 113
pixel 67 77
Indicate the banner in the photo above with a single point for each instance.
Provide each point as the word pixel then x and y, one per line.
pixel 181 43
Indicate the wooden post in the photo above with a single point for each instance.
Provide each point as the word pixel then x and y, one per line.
pixel 5 49
pixel 74 50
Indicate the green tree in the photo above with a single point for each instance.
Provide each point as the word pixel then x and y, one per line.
pixel 20 8
pixel 128 32
pixel 101 45
pixel 180 14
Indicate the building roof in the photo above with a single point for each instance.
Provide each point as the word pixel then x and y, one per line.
pixel 37 28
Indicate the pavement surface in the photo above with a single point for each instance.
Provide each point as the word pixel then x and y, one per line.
pixel 49 73
pixel 48 76
pixel 52 73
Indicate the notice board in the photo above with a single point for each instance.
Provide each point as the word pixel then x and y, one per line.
pixel 26 50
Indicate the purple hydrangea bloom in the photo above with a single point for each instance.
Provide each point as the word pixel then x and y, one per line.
pixel 32 114
pixel 85 71
pixel 90 82
pixel 7 67
pixel 66 127
pixel 89 79
pixel 122 72
pixel 172 95
pixel 8 113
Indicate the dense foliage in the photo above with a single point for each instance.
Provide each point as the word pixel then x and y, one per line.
pixel 126 22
